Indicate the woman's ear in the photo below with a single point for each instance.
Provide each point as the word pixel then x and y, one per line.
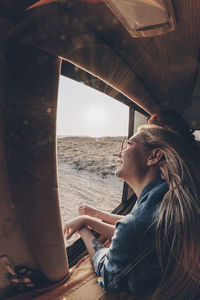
pixel 155 156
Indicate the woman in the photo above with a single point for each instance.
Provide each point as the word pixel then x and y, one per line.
pixel 154 249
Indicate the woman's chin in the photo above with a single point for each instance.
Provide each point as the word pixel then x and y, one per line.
pixel 118 172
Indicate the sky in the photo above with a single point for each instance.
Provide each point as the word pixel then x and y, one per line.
pixel 84 111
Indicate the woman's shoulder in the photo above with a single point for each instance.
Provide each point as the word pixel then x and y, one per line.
pixel 143 211
pixel 152 193
pixel 158 192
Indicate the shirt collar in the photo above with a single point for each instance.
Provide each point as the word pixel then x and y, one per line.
pixel 156 181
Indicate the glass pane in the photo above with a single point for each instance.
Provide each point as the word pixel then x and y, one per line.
pixel 90 128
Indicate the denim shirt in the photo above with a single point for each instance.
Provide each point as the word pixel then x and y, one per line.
pixel 130 263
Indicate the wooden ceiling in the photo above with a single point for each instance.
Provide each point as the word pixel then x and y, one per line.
pixel 155 72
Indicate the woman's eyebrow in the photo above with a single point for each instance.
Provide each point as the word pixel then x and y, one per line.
pixel 134 139
pixel 131 140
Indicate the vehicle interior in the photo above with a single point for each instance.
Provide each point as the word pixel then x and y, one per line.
pixel 143 53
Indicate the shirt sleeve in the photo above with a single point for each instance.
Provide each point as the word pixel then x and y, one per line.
pixel 109 263
pixel 124 265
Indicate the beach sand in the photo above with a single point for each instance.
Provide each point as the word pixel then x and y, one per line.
pixel 86 168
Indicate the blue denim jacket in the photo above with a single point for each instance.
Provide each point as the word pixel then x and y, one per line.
pixel 130 263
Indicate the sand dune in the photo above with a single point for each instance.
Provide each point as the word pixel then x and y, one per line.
pixel 95 155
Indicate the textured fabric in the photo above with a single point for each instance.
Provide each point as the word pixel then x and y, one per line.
pixel 82 285
pixel 131 261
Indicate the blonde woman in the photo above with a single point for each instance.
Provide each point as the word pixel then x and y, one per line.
pixel 155 249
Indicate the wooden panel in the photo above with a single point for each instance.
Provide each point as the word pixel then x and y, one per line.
pixel 165 65
pixel 96 41
pixel 30 132
pixel 65 36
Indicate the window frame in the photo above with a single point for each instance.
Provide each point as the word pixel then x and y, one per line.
pixel 77 250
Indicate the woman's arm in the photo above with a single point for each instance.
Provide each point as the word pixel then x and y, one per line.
pixel 91 243
pixel 77 223
pixel 96 213
pixel 110 263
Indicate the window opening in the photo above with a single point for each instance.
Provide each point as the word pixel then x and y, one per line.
pixel 139 120
pixel 90 128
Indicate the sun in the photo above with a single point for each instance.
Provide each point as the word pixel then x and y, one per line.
pixel 96 116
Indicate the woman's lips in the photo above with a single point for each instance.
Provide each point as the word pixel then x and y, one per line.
pixel 119 162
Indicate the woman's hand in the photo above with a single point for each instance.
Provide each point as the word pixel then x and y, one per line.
pixel 85 209
pixel 109 218
pixel 73 226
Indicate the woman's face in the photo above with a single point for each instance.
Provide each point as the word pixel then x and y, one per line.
pixel 132 160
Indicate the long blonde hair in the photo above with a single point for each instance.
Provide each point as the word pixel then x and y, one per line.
pixel 178 217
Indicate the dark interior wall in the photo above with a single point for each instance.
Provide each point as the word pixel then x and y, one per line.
pixel 28 160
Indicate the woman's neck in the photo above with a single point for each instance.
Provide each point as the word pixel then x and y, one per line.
pixel 139 185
